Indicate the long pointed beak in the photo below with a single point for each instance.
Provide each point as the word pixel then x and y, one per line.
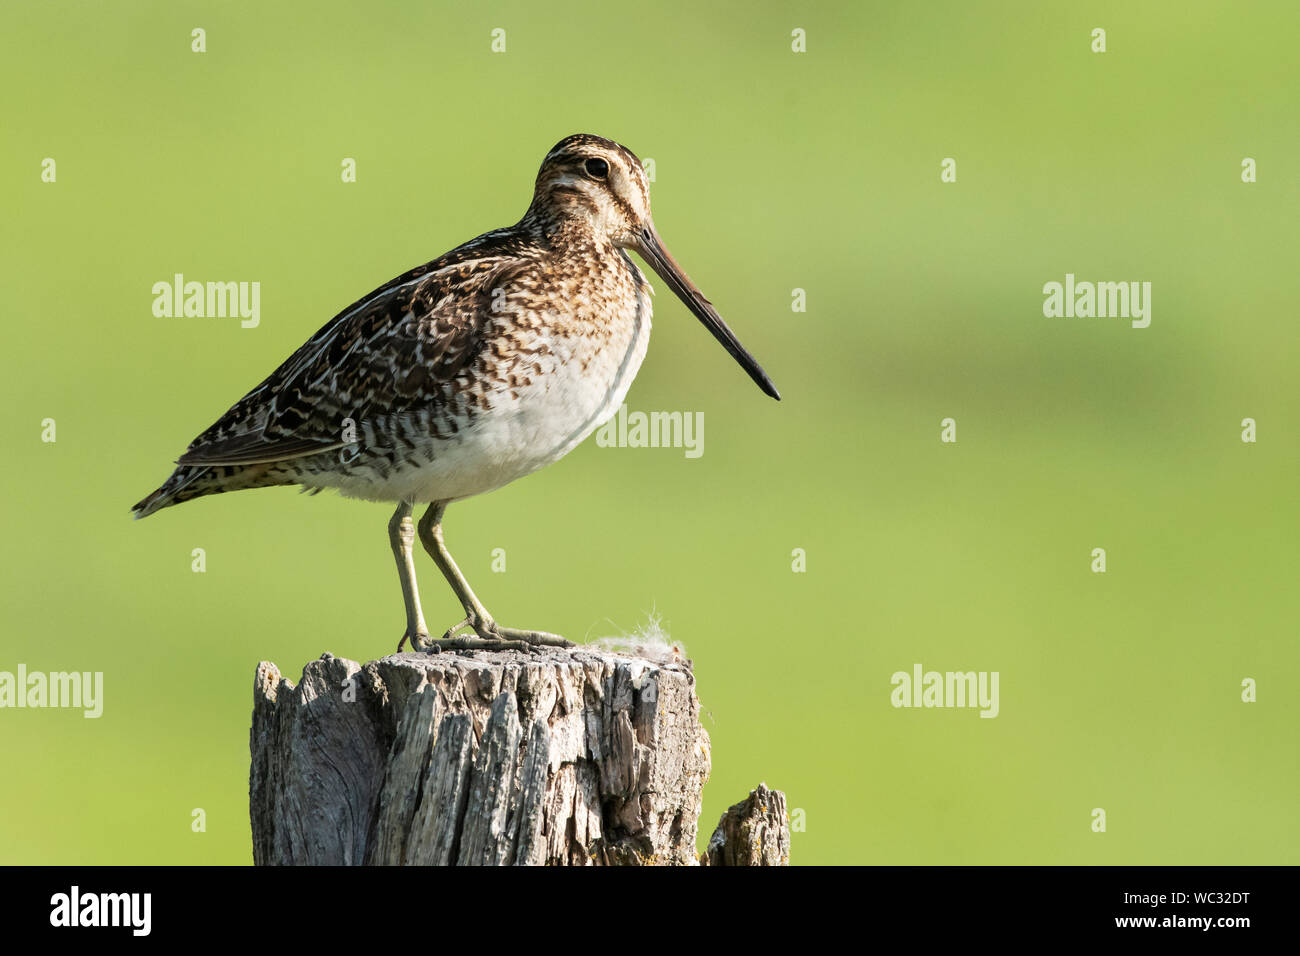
pixel 653 251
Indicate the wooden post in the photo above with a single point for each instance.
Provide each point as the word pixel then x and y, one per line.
pixel 559 756
pixel 754 832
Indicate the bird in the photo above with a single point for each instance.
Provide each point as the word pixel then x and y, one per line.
pixel 464 374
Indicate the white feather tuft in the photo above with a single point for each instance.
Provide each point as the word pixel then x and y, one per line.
pixel 649 640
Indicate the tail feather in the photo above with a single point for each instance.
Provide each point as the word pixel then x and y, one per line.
pixel 173 491
pixel 195 481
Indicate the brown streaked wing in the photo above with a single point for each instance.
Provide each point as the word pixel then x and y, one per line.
pixel 400 348
pixel 241 450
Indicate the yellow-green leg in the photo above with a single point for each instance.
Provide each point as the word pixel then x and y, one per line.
pixel 490 634
pixel 401 534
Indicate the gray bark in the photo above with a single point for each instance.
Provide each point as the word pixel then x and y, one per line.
pixel 559 756
pixel 754 832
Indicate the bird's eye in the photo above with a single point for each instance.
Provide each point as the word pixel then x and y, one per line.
pixel 596 168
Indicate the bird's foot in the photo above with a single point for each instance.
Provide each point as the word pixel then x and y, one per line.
pixel 490 636
pixel 419 641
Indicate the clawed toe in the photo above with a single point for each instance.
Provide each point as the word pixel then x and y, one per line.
pixel 450 633
pixel 419 642
pixel 489 635
pixel 535 638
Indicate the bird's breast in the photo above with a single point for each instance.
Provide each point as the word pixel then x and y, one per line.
pixel 549 378
pixel 568 377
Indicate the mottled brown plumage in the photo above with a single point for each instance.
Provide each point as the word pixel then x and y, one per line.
pixel 467 372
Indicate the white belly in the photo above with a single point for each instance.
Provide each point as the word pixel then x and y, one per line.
pixel 548 419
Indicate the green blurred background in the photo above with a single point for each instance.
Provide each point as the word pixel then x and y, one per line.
pixel 775 171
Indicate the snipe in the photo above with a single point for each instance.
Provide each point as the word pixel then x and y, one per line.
pixel 465 373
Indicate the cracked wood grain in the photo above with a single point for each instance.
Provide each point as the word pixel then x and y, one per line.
pixel 558 756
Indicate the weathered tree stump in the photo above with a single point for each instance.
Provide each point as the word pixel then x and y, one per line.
pixel 561 756
pixel 754 832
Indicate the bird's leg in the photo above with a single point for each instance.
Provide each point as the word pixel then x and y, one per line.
pixel 401 532
pixel 490 633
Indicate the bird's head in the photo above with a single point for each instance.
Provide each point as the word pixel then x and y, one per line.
pixel 601 187
pixel 598 183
